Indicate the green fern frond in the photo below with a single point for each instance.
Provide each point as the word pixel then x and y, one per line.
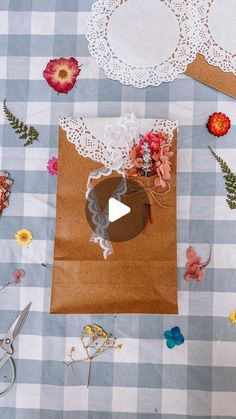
pixel 230 180
pixel 25 133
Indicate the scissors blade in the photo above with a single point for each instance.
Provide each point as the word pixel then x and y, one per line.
pixel 4 360
pixel 18 324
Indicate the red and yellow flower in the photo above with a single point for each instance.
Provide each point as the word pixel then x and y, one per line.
pixel 218 124
pixel 61 74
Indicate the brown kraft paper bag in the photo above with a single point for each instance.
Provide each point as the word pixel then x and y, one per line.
pixel 139 277
pixel 213 76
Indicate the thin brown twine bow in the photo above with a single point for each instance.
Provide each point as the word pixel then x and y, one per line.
pixel 150 190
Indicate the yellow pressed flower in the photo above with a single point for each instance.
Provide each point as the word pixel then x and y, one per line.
pixel 99 342
pixel 233 317
pixel 103 334
pixel 119 347
pixel 23 237
pixel 96 327
pixel 88 329
pixel 99 330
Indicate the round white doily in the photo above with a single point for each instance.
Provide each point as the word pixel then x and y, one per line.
pixel 144 42
pixel 219 35
pixel 148 42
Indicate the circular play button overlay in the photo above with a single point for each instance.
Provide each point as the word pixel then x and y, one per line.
pixel 117 210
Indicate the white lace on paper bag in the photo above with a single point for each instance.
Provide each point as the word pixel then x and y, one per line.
pixel 148 42
pixel 112 152
pixel 100 220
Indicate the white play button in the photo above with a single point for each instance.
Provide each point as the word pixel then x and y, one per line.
pixel 120 218
pixel 117 210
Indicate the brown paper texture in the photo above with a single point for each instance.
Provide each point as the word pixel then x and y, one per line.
pixel 213 76
pixel 139 277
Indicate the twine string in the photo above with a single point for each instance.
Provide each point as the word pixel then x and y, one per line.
pixel 151 192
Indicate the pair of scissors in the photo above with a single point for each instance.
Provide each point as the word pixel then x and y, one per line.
pixel 6 345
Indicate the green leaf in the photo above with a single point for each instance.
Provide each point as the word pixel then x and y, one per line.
pixel 230 180
pixel 23 136
pixel 25 133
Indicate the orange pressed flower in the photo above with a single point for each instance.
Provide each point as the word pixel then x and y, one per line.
pixel 218 124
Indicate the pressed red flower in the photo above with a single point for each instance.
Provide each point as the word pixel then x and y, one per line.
pixel 218 124
pixel 61 74
pixel 155 140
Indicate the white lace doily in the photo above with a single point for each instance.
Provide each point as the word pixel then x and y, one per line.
pixel 144 42
pixel 218 34
pixel 149 42
pixel 109 146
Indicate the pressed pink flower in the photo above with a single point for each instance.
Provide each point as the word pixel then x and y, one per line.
pixel 18 275
pixel 138 163
pixel 159 181
pixel 5 184
pixel 163 166
pixel 194 266
pixel 52 165
pixel 61 74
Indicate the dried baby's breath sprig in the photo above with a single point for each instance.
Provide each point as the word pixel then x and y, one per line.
pixel 95 341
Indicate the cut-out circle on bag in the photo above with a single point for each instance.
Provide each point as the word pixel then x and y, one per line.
pixel 118 210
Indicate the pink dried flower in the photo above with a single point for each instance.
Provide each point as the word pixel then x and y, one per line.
pixel 18 275
pixel 155 140
pixel 160 152
pixel 5 184
pixel 163 166
pixel 194 266
pixel 52 165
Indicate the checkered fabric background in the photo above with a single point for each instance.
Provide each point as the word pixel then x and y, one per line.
pixel 145 380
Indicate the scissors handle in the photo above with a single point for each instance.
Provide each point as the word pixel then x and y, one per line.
pixel 8 358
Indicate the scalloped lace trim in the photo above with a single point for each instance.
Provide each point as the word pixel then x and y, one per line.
pixel 113 151
pixel 213 53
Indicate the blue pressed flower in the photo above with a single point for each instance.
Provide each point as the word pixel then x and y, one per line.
pixel 173 337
